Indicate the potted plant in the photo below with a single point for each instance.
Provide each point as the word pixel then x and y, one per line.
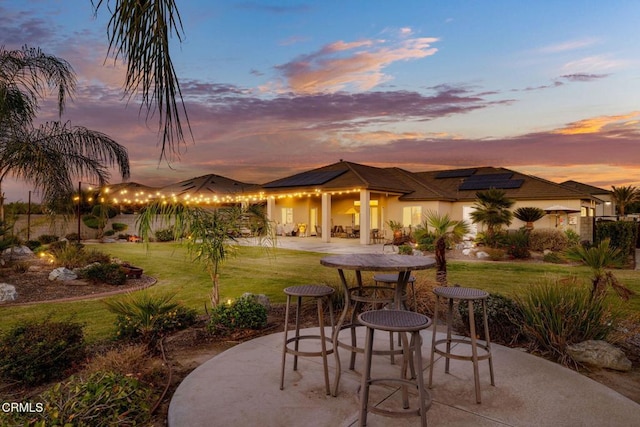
pixel 396 227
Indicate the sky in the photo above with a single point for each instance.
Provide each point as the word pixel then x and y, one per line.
pixel 273 88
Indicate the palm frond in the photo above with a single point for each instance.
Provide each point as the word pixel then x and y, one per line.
pixel 139 32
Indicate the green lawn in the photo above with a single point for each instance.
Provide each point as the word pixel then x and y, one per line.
pixel 257 271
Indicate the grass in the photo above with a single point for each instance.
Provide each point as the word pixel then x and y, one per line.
pixel 255 271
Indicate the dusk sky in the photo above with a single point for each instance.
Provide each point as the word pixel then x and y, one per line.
pixel 550 88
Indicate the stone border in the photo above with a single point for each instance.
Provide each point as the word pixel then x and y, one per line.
pixel 85 297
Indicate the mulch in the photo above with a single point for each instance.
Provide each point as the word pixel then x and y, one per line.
pixel 34 286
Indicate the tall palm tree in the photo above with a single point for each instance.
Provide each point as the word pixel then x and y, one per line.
pixel 444 229
pixel 624 196
pixel 52 155
pixel 492 209
pixel 139 32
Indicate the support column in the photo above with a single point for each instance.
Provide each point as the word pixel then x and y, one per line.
pixel 271 210
pixel 326 217
pixel 365 217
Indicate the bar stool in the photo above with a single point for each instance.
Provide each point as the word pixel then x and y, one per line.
pixel 452 293
pixel 393 278
pixel 401 321
pixel 320 293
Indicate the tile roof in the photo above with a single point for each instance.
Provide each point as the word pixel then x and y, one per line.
pixel 212 184
pixel 585 188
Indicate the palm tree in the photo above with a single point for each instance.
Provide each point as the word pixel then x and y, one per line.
pixel 599 258
pixel 139 32
pixel 529 215
pixel 624 196
pixel 444 229
pixel 211 233
pixel 492 209
pixel 53 154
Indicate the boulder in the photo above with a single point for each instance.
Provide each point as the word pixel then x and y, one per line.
pixel 600 354
pixel 482 255
pixel 62 274
pixel 261 299
pixel 7 292
pixel 19 252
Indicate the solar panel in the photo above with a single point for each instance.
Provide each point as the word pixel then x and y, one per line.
pixel 491 177
pixel 458 173
pixel 306 179
pixel 502 184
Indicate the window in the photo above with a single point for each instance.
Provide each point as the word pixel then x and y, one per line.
pixel 287 215
pixel 583 211
pixel 411 216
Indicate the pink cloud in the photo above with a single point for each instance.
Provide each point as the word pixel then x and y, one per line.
pixel 358 65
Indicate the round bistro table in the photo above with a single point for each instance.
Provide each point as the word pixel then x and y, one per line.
pixel 401 264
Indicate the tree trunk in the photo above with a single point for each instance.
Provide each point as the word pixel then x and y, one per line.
pixel 441 262
pixel 215 291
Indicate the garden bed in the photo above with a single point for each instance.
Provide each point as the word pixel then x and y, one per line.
pixel 34 285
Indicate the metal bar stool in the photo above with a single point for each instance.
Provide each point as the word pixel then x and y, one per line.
pixel 400 321
pixel 320 293
pixel 393 278
pixel 452 293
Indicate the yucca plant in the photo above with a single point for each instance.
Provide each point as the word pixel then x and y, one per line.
pixel 599 258
pixel 556 315
pixel 141 314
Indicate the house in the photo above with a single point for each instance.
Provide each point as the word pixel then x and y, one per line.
pixel 332 199
pixel 333 196
pixel 606 206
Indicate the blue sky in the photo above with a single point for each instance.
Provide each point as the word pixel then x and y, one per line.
pixel 550 88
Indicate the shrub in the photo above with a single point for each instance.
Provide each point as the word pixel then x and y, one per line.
pixel 405 250
pixel 32 244
pixel 623 234
pixel 109 233
pixel 72 237
pixel 147 317
pixel 547 239
pixel 113 274
pixel 244 313
pixel 573 238
pixel 36 352
pixel 165 235
pixel 427 242
pixel 554 258
pixel 21 267
pixel 125 360
pixel 503 316
pixel 518 245
pixel 495 254
pixel 102 399
pixel 45 239
pixel 118 227
pixel 556 315
pixel 95 255
pixel 69 255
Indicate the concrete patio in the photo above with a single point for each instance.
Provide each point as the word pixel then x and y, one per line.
pixel 240 387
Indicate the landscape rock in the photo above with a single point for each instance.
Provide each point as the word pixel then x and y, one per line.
pixel 482 255
pixel 62 274
pixel 19 252
pixel 261 299
pixel 600 354
pixel 7 292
